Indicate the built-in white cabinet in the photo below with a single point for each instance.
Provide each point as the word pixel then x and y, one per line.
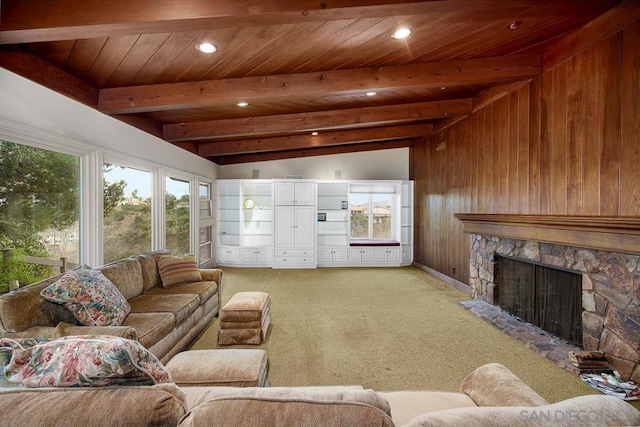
pixel 328 256
pixel 360 254
pixel 228 255
pixel 406 223
pixel 375 255
pixel 245 222
pixel 333 223
pixel 295 225
pixel 307 223
pixel 295 193
pixel 386 254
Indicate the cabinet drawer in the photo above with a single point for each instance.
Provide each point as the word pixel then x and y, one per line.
pixel 294 252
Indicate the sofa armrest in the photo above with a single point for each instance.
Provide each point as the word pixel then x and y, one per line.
pixel 495 385
pixel 579 411
pixel 48 332
pixel 215 275
pixel 66 329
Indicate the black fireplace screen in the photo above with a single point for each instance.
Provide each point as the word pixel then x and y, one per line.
pixel 547 297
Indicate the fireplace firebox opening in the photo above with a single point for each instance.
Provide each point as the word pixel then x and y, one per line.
pixel 548 297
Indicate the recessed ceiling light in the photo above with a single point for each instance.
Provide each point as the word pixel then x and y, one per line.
pixel 370 93
pixel 207 47
pixel 514 25
pixel 242 104
pixel 443 87
pixel 314 133
pixel 401 33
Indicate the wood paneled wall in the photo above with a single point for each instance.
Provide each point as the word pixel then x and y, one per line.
pixel 568 143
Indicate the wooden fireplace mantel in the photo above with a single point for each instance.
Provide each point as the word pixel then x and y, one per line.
pixel 609 233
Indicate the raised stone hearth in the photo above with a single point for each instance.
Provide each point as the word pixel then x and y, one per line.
pixel 610 291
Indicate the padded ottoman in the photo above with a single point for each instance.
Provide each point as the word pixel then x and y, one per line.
pixel 245 319
pixel 220 367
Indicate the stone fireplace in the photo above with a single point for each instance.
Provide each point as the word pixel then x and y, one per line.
pixel 610 291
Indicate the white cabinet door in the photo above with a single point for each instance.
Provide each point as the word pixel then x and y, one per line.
pixel 304 193
pixel 295 193
pixel 380 254
pixel 228 255
pixel 361 254
pixel 284 231
pixel 304 230
pixel 386 254
pixel 324 255
pixel 248 255
pixel 263 255
pixel 406 253
pixel 339 255
pixel 284 193
pixel 295 227
pixel 393 254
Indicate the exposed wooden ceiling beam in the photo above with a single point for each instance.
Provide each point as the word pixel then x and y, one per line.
pixel 605 25
pixel 28 21
pixel 480 101
pixel 494 93
pixel 224 148
pixel 211 93
pixel 309 152
pixel 316 121
pixel 48 75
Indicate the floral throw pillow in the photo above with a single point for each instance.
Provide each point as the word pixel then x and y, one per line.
pixel 85 360
pixel 178 269
pixel 90 296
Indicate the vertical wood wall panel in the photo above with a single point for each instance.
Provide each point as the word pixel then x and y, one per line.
pixel 566 144
pixel 575 141
pixel 523 150
pixel 630 140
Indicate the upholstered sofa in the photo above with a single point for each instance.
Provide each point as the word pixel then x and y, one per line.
pixel 164 320
pixel 490 396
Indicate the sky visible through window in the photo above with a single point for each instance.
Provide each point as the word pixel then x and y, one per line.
pixel 139 180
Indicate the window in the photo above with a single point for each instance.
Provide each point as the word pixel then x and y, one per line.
pixel 205 228
pixel 127 212
pixel 177 215
pixel 39 212
pixel 371 216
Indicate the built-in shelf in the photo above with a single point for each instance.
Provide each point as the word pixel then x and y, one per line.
pixel 617 234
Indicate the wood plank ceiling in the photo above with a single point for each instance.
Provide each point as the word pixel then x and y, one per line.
pixel 301 65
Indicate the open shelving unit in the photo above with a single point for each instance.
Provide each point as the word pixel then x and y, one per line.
pixel 245 222
pixel 333 222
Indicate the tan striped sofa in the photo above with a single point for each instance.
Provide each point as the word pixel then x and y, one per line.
pixel 163 320
pixel 491 396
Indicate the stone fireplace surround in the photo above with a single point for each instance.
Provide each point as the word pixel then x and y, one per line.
pixel 610 287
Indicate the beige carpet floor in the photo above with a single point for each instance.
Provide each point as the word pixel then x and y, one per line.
pixel 382 328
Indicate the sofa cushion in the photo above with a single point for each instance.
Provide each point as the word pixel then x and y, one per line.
pixel 495 385
pixel 591 410
pixel 164 405
pixel 149 264
pixel 126 274
pixel 151 327
pixel 406 405
pixel 90 296
pixel 204 290
pixel 181 305
pixel 178 269
pixel 282 406
pixel 85 360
